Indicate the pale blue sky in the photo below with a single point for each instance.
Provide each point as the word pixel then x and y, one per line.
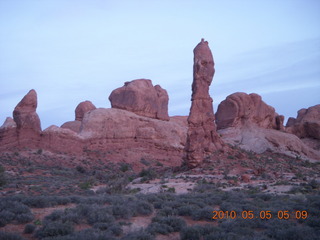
pixel 75 50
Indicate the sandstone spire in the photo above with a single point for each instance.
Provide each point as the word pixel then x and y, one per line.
pixel 202 138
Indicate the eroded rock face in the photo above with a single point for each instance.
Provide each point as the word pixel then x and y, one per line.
pixel 8 134
pixel 72 125
pixel 258 139
pixel 202 138
pixel 25 114
pixel 307 123
pixel 240 109
pixel 25 127
pixel 141 97
pixel 83 108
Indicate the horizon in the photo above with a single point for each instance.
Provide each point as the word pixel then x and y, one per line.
pixel 74 51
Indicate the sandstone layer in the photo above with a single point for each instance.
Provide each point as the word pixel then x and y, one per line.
pixel 202 138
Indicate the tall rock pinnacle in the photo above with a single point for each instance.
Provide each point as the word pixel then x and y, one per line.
pixel 202 138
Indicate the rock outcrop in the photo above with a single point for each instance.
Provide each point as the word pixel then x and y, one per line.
pixel 80 111
pixel 25 127
pixel 106 134
pixel 246 121
pixel 141 97
pixel 83 108
pixel 120 136
pixel 307 123
pixel 25 114
pixel 202 138
pixel 239 109
pixel 260 140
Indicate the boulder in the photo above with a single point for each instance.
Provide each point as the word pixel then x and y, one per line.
pixel 240 109
pixel 141 97
pixel 307 123
pixel 83 108
pixel 202 138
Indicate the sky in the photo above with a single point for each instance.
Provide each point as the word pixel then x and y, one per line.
pixel 70 51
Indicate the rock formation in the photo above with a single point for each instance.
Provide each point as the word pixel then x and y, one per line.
pixel 83 108
pixel 80 110
pixel 248 122
pixel 25 127
pixel 202 138
pixel 25 114
pixel 141 97
pixel 307 123
pixel 107 134
pixel 240 108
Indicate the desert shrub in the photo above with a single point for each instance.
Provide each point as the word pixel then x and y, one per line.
pixel 29 228
pixel 54 229
pixel 314 222
pixel 187 210
pixel 14 211
pixel 202 214
pixel 44 201
pixel 24 217
pixel 121 211
pixel 190 233
pixel 138 235
pixel 175 223
pixel 204 188
pixel 3 180
pixel 92 234
pixel 147 174
pixel 100 215
pixel 293 232
pixel 141 208
pixel 10 236
pixel 159 228
pixel 115 229
pixel 167 211
pixel 80 169
pixel 124 167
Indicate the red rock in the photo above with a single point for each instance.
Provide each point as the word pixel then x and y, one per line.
pixel 141 97
pixel 202 138
pixel 80 111
pixel 245 178
pixel 8 134
pixel 27 120
pixel 240 109
pixel 25 114
pixel 83 108
pixel 72 125
pixel 9 123
pixel 307 123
